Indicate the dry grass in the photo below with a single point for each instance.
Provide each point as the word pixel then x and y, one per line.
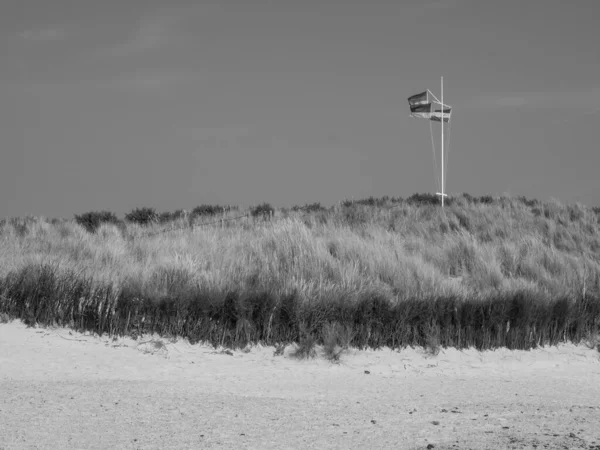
pixel 305 348
pixel 492 250
pixel 336 340
pixel 401 252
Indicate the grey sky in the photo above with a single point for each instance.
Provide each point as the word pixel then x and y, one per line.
pixel 170 104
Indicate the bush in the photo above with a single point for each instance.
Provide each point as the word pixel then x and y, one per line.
pixel 309 208
pixel 207 210
pixel 424 199
pixel 92 220
pixel 529 203
pixel 485 200
pixel 373 201
pixel 468 198
pixel 142 216
pixel 264 210
pixel 165 217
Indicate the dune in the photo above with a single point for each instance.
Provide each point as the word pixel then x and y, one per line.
pixel 64 389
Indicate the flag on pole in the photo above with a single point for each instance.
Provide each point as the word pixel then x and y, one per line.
pixel 440 115
pixel 418 99
pixel 423 111
pixel 421 107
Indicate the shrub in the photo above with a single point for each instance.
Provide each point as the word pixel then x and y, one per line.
pixel 309 208
pixel 264 210
pixel 485 200
pixel 142 216
pixel 529 203
pixel 372 201
pixel 165 217
pixel 207 210
pixel 92 220
pixel 423 199
pixel 469 198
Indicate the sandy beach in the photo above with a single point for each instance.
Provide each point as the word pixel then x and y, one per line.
pixel 62 389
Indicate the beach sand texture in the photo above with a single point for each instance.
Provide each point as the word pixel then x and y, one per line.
pixel 67 390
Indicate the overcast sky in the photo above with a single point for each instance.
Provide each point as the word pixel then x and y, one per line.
pixel 118 104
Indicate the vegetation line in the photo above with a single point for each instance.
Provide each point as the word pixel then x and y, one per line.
pixel 482 272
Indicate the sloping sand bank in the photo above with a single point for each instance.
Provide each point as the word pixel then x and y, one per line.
pixel 61 389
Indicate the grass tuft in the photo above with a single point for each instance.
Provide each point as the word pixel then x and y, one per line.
pixel 336 340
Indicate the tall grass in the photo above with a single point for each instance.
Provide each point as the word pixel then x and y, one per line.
pixel 485 272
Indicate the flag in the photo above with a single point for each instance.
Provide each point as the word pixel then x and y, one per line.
pixel 439 114
pixel 423 110
pixel 418 99
pixel 421 107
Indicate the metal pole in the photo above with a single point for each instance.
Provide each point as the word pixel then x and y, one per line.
pixel 442 125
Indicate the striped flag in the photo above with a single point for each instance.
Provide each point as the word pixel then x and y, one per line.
pixel 420 106
pixel 423 111
pixel 440 115
pixel 418 99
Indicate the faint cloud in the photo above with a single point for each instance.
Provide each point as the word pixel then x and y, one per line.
pixel 43 34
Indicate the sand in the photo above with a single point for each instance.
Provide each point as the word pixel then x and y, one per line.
pixel 62 389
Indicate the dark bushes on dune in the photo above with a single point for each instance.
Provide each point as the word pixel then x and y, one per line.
pixel 373 201
pixel 425 199
pixel 264 211
pixel 208 210
pixel 91 221
pixel 142 216
pixel 309 208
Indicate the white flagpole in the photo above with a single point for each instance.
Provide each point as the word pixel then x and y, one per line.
pixel 442 125
pixel 441 117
